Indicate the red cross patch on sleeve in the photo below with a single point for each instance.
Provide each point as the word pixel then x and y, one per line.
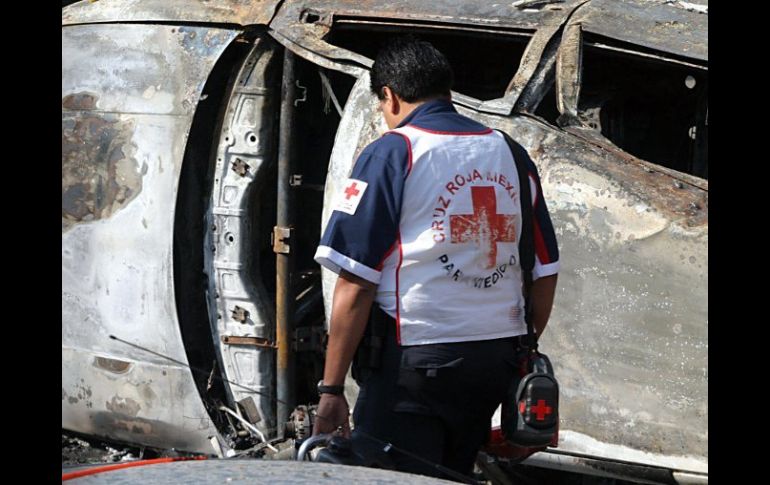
pixel 347 201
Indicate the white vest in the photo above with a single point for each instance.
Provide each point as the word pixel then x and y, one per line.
pixel 454 274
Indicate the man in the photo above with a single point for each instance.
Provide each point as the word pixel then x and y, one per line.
pixel 428 228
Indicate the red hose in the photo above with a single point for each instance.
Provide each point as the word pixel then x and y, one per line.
pixel 118 466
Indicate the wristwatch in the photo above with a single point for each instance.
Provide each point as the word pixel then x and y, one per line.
pixel 336 390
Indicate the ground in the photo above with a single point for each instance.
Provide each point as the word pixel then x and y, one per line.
pixel 80 450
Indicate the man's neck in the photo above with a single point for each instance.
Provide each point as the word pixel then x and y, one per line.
pixel 408 108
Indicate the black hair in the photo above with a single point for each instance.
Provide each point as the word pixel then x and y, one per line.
pixel 413 69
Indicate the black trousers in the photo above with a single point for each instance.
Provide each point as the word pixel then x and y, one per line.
pixel 435 401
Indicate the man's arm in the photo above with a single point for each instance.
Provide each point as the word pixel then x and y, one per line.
pixel 357 238
pixel 352 301
pixel 353 297
pixel 543 291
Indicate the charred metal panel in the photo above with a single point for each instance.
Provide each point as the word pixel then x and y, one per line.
pixel 537 57
pixel 292 28
pixel 152 69
pixel 128 97
pixel 656 25
pixel 134 402
pixel 664 26
pixel 317 52
pixel 568 73
pixel 240 12
pixel 659 25
pixel 239 305
pixel 480 13
pixel 629 331
pixel 92 191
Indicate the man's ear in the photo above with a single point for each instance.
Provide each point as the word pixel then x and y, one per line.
pixel 392 103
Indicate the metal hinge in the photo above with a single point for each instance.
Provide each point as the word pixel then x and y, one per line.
pixel 240 167
pixel 281 239
pixel 240 314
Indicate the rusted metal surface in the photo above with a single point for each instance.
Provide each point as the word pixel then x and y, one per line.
pixel 233 242
pixel 79 101
pixel 112 365
pixel 282 239
pixel 253 341
pixel 124 127
pixel 101 171
pixel 240 12
pixel 100 174
pixel 691 206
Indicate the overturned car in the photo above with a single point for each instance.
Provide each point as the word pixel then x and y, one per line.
pixel 202 144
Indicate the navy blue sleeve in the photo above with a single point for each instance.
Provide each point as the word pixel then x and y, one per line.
pixel 546 248
pixel 364 223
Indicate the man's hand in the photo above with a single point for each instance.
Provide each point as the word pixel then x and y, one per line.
pixel 332 415
pixel 352 301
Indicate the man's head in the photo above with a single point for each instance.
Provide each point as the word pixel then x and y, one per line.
pixel 406 73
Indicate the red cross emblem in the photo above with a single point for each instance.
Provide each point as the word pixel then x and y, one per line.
pixel 485 226
pixel 351 191
pixel 541 410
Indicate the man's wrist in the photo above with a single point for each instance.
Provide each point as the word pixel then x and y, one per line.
pixel 337 390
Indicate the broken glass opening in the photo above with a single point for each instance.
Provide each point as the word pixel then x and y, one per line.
pixel 652 108
pixel 483 62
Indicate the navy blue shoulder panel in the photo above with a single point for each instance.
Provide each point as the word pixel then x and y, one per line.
pixel 367 235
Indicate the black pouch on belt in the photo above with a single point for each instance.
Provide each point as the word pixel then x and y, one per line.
pixel 368 356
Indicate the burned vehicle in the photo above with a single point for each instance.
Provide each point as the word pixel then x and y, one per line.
pixel 201 146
